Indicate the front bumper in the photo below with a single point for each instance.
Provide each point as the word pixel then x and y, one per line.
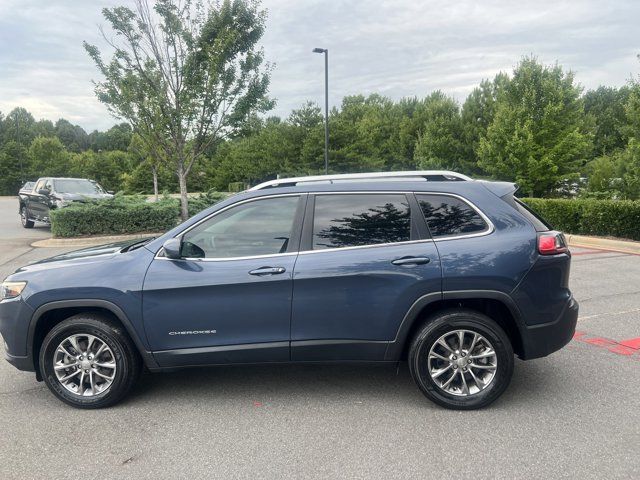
pixel 21 363
pixel 15 316
pixel 541 340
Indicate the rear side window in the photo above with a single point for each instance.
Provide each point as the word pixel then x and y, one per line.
pixel 350 220
pixel 449 216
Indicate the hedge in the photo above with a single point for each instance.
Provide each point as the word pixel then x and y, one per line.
pixel 607 218
pixel 125 214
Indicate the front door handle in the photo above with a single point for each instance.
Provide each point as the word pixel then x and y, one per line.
pixel 411 261
pixel 268 271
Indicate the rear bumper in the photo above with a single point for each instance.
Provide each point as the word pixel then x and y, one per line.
pixel 541 340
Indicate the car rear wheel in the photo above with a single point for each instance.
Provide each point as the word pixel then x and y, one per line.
pixel 461 359
pixel 24 218
pixel 88 361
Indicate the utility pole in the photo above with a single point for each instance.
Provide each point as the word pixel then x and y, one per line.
pixel 326 106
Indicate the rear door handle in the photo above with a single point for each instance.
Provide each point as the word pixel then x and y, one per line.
pixel 268 271
pixel 411 261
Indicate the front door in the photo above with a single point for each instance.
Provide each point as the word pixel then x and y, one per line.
pixel 39 204
pixel 367 259
pixel 229 299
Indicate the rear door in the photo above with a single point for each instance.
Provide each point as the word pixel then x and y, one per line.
pixel 365 259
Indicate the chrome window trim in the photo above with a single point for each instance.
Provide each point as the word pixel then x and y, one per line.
pixel 221 259
pixel 160 253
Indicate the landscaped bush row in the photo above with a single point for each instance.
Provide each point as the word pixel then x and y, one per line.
pixel 608 218
pixel 124 214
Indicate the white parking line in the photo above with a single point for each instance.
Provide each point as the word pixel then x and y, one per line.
pixel 608 313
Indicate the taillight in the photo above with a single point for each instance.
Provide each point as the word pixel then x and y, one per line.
pixel 551 243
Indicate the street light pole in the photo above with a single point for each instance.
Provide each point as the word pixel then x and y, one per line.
pixel 326 106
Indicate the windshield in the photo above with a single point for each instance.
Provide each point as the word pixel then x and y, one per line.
pixel 77 186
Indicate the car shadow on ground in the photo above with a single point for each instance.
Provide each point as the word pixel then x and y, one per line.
pixel 343 383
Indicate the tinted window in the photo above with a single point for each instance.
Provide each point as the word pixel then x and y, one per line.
pixel 261 227
pixel 536 220
pixel 74 185
pixel 361 219
pixel 449 216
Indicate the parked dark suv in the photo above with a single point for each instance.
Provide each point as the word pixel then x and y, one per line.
pixel 451 274
pixel 37 199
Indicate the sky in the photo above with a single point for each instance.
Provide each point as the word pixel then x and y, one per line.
pixel 396 48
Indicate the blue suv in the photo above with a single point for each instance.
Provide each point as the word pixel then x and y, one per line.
pixel 450 274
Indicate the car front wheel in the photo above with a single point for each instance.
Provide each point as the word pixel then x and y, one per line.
pixel 24 218
pixel 88 361
pixel 461 359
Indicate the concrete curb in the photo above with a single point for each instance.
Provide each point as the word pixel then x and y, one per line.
pixel 89 241
pixel 599 243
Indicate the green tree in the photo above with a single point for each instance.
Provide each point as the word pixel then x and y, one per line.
pixel 606 108
pixel 146 158
pixel 18 127
pixel 48 157
pixel 537 136
pixel 14 164
pixel 440 146
pixel 117 137
pixel 477 113
pixel 184 75
pixel 74 138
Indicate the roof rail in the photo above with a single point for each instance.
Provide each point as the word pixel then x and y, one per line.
pixel 428 175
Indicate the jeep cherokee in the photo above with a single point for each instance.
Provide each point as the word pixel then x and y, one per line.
pixel 450 274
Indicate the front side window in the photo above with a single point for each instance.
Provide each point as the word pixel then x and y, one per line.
pixel 260 227
pixel 349 220
pixel 449 216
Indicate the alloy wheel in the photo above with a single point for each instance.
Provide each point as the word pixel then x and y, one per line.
pixel 84 365
pixel 462 363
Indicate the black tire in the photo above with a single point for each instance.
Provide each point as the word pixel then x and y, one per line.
pixel 453 320
pixel 127 359
pixel 24 218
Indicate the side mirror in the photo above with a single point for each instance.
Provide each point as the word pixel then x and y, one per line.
pixel 44 191
pixel 172 248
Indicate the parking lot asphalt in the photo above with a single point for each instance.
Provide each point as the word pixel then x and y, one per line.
pixel 574 414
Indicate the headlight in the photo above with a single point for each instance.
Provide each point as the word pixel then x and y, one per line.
pixel 11 289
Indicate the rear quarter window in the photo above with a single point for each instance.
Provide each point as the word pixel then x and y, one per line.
pixel 449 216
pixel 539 223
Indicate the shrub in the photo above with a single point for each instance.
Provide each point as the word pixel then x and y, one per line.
pixel 125 214
pixel 205 200
pixel 615 218
pixel 114 216
pixel 237 186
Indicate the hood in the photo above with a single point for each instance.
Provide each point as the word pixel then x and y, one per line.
pixel 82 197
pixel 89 254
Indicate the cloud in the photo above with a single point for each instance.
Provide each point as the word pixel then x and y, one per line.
pixel 397 48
